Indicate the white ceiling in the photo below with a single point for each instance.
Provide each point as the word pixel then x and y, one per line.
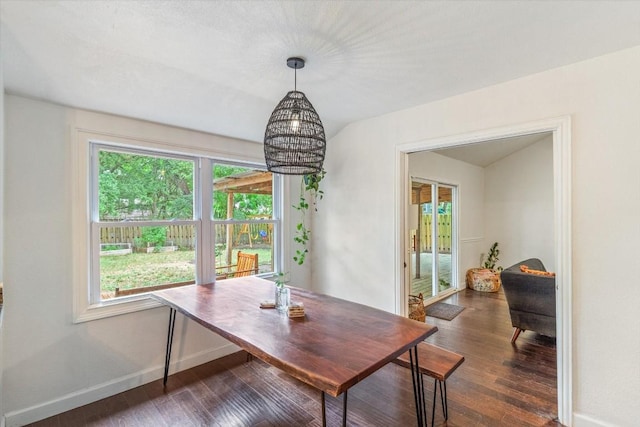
pixel 485 153
pixel 219 66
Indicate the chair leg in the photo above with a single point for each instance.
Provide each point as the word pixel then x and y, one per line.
pixel 516 333
pixel 443 400
pixel 433 408
pixel 445 404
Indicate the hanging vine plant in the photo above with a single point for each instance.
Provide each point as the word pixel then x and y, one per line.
pixel 310 194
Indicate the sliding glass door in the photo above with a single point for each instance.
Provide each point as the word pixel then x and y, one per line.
pixel 431 237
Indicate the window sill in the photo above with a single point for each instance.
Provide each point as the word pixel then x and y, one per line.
pixel 116 308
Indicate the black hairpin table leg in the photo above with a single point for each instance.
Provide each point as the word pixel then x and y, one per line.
pixel 167 357
pixel 344 409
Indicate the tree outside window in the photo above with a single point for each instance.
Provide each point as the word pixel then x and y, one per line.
pixel 147 232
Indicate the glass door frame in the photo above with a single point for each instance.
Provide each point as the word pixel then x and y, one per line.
pixel 435 259
pixel 453 265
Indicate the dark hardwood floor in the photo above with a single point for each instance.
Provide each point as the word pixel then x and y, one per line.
pixel 498 385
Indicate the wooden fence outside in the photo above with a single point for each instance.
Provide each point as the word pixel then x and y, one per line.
pixel 444 233
pixel 184 236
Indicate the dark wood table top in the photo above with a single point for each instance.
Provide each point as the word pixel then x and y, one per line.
pixel 337 344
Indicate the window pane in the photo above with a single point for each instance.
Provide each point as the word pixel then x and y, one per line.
pixel 245 238
pixel 140 187
pixel 133 258
pixel 242 193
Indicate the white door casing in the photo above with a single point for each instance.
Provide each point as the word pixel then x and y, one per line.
pixel 560 127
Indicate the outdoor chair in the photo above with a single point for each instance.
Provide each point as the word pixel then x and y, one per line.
pixel 246 265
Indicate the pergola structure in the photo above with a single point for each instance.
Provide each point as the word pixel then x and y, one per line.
pixel 421 193
pixel 252 182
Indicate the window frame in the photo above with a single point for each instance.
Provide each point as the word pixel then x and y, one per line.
pixel 94 268
pixel 276 216
pixel 87 302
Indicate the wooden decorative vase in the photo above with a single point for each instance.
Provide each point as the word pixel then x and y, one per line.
pixel 483 279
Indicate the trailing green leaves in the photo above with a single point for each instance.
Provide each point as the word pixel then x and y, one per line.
pixel 309 191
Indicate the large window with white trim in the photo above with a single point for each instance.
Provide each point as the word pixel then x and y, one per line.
pixel 162 220
pixel 245 220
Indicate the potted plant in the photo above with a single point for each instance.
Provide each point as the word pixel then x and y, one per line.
pixel 487 277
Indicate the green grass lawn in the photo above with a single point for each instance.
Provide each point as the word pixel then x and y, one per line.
pixel 140 269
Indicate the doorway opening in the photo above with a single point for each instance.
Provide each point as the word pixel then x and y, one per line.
pixel 560 129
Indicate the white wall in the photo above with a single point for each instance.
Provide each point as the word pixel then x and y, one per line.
pixel 471 190
pixel 2 131
pixel 54 364
pixel 355 232
pixel 519 205
pixel 2 127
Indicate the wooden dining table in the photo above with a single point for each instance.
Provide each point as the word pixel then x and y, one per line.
pixel 334 346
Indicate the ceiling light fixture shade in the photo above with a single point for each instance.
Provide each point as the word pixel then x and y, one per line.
pixel 294 141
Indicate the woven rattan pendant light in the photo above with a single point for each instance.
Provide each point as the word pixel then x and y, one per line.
pixel 294 141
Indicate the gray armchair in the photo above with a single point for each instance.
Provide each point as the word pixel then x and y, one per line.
pixel 531 299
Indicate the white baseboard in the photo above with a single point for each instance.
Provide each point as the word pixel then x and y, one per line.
pixel 110 388
pixel 581 420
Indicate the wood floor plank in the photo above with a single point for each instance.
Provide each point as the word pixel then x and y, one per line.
pixel 144 409
pixel 192 405
pixel 499 384
pixel 280 398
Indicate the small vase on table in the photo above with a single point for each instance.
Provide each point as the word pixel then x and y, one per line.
pixel 283 298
